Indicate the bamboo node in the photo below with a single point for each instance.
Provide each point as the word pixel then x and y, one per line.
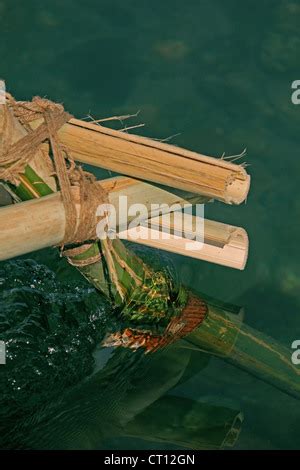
pixel 192 315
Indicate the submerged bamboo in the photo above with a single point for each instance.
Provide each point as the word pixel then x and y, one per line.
pixel 224 335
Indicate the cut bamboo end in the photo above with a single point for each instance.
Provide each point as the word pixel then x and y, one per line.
pixel 237 190
pixel 222 244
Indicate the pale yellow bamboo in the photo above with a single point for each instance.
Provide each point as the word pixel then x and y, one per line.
pixel 154 161
pixel 40 223
pixel 215 242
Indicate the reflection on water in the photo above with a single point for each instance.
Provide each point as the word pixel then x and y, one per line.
pixel 219 73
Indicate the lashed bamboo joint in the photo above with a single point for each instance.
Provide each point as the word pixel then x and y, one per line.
pixel 191 316
pixel 144 158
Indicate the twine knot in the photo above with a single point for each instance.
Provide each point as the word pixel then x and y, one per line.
pixel 15 156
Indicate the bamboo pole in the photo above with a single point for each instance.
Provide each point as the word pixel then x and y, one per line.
pixel 40 223
pixel 154 161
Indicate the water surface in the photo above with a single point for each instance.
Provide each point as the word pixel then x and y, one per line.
pixel 219 73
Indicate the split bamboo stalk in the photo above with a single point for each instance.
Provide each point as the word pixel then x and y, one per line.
pixel 220 243
pixel 154 161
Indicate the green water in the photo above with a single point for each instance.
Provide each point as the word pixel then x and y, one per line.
pixel 219 73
